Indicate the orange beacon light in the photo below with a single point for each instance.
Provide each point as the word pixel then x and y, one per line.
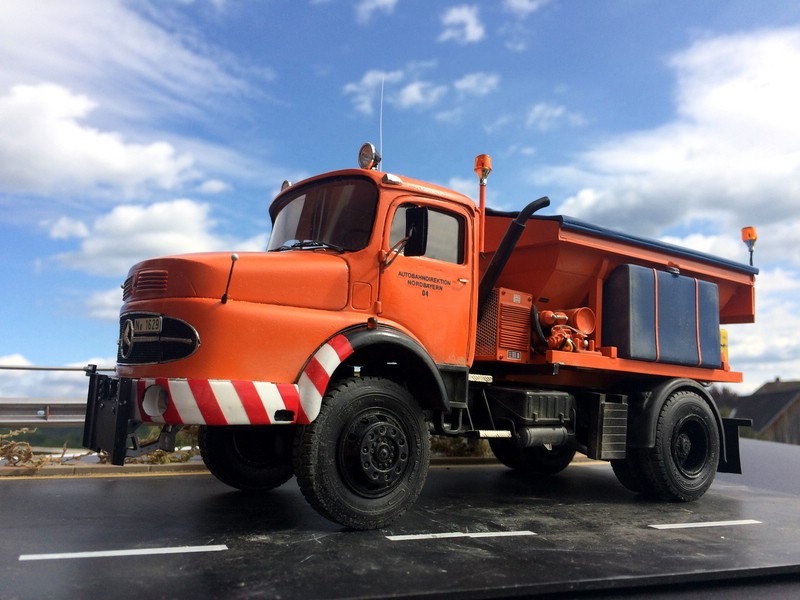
pixel 749 237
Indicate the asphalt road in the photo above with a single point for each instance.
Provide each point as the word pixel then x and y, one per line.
pixel 476 531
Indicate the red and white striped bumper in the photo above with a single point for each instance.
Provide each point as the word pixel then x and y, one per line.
pixel 231 402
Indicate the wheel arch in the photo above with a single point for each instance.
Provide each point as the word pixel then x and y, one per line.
pixel 644 413
pixel 391 353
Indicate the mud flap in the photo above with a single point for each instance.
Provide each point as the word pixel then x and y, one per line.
pixel 109 408
pixel 730 461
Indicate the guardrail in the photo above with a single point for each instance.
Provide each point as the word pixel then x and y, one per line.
pixel 38 412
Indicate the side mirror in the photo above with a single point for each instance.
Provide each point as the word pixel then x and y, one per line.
pixel 416 231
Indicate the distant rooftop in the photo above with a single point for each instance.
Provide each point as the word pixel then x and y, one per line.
pixel 766 404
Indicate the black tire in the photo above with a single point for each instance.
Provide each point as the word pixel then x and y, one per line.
pixel 684 461
pixel 363 461
pixel 536 460
pixel 248 458
pixel 629 471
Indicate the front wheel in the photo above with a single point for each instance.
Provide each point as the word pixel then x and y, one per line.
pixel 684 461
pixel 248 458
pixel 363 461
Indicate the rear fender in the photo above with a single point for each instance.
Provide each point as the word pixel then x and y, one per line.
pixel 643 420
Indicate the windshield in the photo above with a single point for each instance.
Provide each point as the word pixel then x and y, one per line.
pixel 335 214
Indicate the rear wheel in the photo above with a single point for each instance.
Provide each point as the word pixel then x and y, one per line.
pixel 536 460
pixel 248 458
pixel 684 461
pixel 363 461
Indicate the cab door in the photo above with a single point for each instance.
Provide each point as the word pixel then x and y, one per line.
pixel 430 290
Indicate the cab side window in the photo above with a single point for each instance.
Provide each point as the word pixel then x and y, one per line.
pixel 445 234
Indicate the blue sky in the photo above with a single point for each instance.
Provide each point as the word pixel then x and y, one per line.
pixel 133 129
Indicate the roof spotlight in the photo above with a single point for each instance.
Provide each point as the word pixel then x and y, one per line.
pixel 368 157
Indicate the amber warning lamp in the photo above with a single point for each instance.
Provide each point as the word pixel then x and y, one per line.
pixel 483 166
pixel 749 237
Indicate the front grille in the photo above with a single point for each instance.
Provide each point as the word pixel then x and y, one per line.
pixel 149 281
pixel 177 339
pixel 127 288
pixel 152 280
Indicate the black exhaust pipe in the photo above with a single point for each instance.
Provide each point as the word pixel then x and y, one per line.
pixel 504 250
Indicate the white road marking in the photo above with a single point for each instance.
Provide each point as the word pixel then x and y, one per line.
pixel 705 524
pixel 133 552
pixel 438 536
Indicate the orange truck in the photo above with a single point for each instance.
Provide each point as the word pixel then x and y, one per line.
pixel 386 310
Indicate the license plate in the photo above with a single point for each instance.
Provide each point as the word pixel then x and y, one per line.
pixel 147 325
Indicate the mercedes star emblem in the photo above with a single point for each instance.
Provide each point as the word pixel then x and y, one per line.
pixel 126 339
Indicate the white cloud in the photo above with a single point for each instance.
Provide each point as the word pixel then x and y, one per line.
pixel 523 8
pixel 498 124
pixel 364 93
pixel 256 243
pixel 105 305
pixel 515 34
pixel 134 66
pixel 408 88
pixel 213 186
pixel 516 45
pixel 468 187
pixel 477 84
pixel 45 147
pixel 15 360
pixel 519 150
pixel 366 8
pixel 717 245
pixel 65 228
pixel 419 94
pixel 45 384
pixel 767 349
pixel 731 148
pixel 462 25
pixel 96 96
pixel 131 233
pixel 414 92
pixel 545 117
pixel 450 116
pixel 777 241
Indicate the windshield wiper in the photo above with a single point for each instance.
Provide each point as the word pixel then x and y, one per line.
pixel 309 244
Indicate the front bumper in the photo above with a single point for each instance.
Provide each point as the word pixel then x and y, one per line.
pixel 116 406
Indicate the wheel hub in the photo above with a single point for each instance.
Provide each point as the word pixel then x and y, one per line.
pixel 383 451
pixel 690 447
pixel 683 447
pixel 374 455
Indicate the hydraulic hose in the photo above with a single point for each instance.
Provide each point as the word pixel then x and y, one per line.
pixel 504 250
